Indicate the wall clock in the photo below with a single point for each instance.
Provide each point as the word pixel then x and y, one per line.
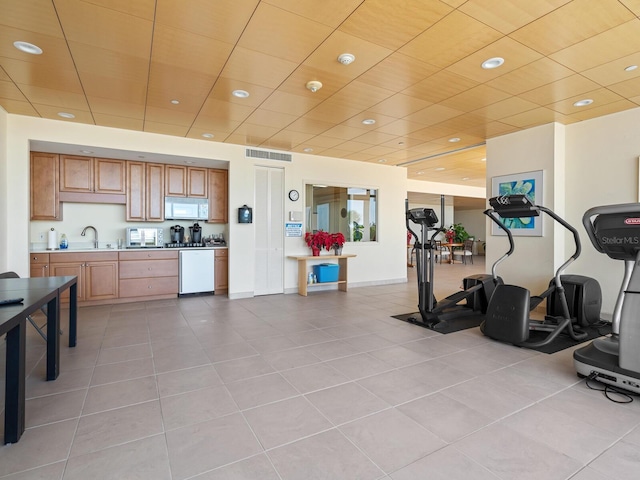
pixel 294 195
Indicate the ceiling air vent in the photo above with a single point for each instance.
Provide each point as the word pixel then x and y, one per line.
pixel 264 154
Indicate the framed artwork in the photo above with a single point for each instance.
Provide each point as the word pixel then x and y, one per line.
pixel 529 184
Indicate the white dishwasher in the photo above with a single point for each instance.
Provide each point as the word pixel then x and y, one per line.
pixel 196 271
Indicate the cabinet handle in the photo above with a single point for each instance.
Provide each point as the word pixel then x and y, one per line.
pixel 149 287
pixel 149 268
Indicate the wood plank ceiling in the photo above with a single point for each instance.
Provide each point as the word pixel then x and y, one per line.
pixel 417 71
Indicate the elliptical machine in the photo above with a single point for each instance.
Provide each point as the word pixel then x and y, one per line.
pixel 436 315
pixel 615 360
pixel 507 317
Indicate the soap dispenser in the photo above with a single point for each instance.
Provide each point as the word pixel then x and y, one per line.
pixel 63 242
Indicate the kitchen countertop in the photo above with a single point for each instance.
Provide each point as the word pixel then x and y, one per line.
pixel 102 250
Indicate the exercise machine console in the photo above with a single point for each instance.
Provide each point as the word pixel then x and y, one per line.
pixel 507 317
pixel 615 360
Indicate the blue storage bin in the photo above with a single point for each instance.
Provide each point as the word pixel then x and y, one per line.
pixel 326 272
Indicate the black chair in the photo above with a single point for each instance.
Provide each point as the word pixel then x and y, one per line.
pixel 39 328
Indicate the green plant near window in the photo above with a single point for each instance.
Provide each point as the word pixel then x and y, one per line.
pixel 357 231
pixel 460 234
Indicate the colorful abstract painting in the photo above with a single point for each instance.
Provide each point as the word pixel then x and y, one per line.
pixel 529 184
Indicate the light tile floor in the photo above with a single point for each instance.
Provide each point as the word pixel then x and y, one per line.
pixel 324 387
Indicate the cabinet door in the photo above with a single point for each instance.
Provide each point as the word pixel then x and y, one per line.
pixel 109 176
pixel 218 206
pixel 76 174
pixel 154 192
pixel 101 280
pixel 221 271
pixel 175 181
pixel 136 203
pixel 39 265
pixel 45 171
pixel 71 268
pixel 196 182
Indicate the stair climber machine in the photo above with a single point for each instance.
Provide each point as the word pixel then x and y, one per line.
pixel 615 360
pixel 437 315
pixel 507 318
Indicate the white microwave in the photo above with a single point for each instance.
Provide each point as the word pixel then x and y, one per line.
pixel 145 237
pixel 182 208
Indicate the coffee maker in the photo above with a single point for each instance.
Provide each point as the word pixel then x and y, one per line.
pixel 195 232
pixel 177 234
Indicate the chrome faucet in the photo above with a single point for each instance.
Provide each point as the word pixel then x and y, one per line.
pixel 84 231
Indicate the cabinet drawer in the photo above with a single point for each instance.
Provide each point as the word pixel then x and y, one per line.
pixel 95 256
pixel 142 287
pixel 149 255
pixel 39 258
pixel 148 268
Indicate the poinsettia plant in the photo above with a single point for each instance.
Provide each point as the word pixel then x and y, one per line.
pixel 337 240
pixel 319 240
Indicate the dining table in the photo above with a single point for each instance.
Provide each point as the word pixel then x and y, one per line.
pixel 451 246
pixel 35 293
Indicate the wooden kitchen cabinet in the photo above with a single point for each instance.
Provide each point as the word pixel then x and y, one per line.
pixel 185 181
pixel 218 195
pixel 45 200
pixel 221 270
pixel 109 176
pixel 145 192
pixel 76 174
pixel 39 265
pixel 97 273
pixel 148 274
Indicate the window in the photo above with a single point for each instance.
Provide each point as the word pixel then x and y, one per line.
pixel 350 210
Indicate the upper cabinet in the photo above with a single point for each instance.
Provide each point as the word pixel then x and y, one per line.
pixel 185 181
pixel 145 192
pixel 140 186
pixel 45 203
pixel 218 198
pixel 92 180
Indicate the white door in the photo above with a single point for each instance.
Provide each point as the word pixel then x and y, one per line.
pixel 268 217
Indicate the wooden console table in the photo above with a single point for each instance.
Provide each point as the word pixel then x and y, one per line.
pixel 302 271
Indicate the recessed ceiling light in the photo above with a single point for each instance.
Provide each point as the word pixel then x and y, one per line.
pixel 188 162
pixel 465 178
pixel 86 151
pixel 454 139
pixel 27 47
pixel 308 149
pixel 583 103
pixel 346 58
pixel 141 156
pixel 382 160
pixel 483 159
pixel 314 86
pixel 439 169
pixel 175 102
pixel 420 173
pixel 400 143
pixel 207 135
pixel 368 121
pixel 240 93
pixel 630 68
pixel 494 62
pixel 66 115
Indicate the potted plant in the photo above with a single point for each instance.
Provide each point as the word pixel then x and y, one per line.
pixel 337 241
pixel 317 241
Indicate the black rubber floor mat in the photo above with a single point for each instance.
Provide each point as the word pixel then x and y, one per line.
pixel 563 340
pixel 450 326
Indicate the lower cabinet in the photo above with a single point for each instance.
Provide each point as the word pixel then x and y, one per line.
pixel 221 271
pixel 148 273
pixel 97 273
pixel 39 265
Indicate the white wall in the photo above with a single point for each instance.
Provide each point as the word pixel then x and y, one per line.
pixel 533 263
pixel 376 262
pixel 474 222
pixel 602 169
pixel 4 192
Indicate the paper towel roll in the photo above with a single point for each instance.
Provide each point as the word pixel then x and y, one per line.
pixel 52 240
